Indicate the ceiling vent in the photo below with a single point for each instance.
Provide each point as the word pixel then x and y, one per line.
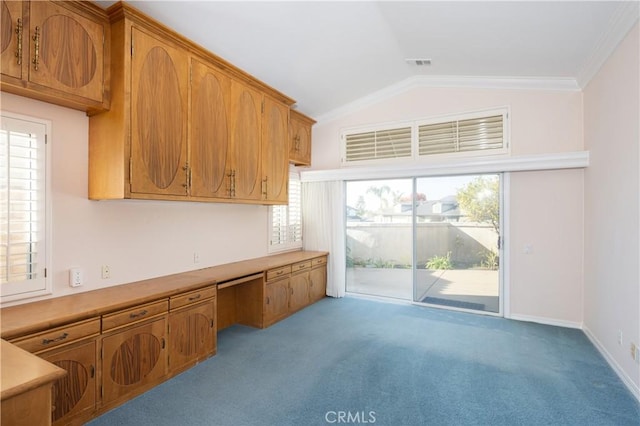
pixel 419 62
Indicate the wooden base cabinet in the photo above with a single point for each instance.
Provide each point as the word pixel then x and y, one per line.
pixel 192 328
pixel 133 360
pixel 276 305
pixel 73 396
pixel 318 279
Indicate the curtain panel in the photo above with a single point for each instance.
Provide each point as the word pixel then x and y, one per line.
pixel 323 228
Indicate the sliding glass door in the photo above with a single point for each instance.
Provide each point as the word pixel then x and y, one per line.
pixel 457 230
pixel 429 240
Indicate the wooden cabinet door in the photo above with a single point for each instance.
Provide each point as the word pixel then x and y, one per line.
pixel 192 335
pixel 275 158
pixel 299 140
pixel 276 300
pixel 317 283
pixel 66 50
pixel 14 38
pixel 210 138
pixel 75 393
pixel 132 359
pixel 299 297
pixel 159 91
pixel 246 119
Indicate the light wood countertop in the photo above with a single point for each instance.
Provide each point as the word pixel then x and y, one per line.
pixel 22 371
pixel 32 317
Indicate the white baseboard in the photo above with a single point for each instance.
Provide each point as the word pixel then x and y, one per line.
pixel 633 387
pixel 547 321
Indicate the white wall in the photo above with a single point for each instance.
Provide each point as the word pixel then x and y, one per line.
pixel 137 239
pixel 546 207
pixel 612 207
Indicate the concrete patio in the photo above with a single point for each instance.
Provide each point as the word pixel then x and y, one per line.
pixel 474 289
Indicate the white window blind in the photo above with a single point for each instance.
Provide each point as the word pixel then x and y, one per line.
pixel 467 134
pixel 23 190
pixel 285 221
pixel 378 144
pixel 474 134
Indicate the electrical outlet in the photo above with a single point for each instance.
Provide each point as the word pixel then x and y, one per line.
pixel 75 277
pixel 106 272
pixel 196 257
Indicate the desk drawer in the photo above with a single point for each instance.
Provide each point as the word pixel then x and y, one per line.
pixel 301 266
pixel 319 261
pixel 58 336
pixel 133 315
pixel 192 297
pixel 272 274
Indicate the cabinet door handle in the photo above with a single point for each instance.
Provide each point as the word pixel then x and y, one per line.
pixel 139 314
pixel 57 339
pixel 267 300
pixel 211 323
pixel 19 37
pixel 196 297
pixel 93 371
pixel 36 45
pixel 163 343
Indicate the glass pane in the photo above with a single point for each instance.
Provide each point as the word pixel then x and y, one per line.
pixel 457 230
pixel 379 238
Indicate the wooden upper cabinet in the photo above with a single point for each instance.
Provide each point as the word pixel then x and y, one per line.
pixel 300 139
pixel 275 164
pixel 56 52
pixel 210 137
pixel 246 121
pixel 66 50
pixel 159 91
pixel 184 124
pixel 12 39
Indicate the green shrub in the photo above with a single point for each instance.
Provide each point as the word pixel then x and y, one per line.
pixel 440 262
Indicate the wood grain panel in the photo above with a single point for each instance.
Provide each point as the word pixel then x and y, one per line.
pixel 299 293
pixel 210 137
pixel 75 393
pixel 160 137
pixel 192 335
pixel 276 301
pixel 11 12
pixel 275 164
pixel 134 359
pixel 318 283
pixel 247 115
pixel 159 116
pixel 68 51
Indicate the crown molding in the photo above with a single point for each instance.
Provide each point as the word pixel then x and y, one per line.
pixel 557 161
pixel 623 19
pixel 468 82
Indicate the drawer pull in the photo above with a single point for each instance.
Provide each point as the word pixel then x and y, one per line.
pixel 57 339
pixel 196 297
pixel 280 272
pixel 301 266
pixel 139 314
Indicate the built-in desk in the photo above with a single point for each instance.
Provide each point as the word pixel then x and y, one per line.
pixel 125 339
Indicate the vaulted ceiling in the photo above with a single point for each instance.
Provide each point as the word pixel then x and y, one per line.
pixel 329 54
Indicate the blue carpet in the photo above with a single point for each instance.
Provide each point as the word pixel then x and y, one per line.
pixel 389 364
